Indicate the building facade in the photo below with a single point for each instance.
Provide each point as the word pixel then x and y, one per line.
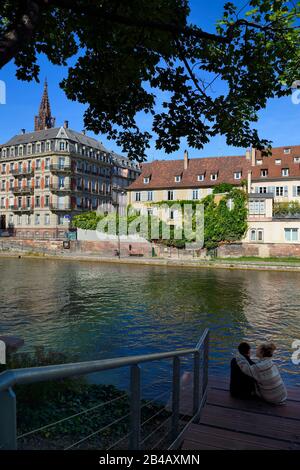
pixel 270 181
pixel 53 173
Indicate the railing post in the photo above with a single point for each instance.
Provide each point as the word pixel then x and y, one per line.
pixel 8 420
pixel 175 397
pixel 135 407
pixel 205 363
pixel 196 382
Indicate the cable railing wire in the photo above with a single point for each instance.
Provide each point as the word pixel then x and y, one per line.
pixel 47 426
pixel 155 430
pixel 118 441
pixel 97 432
pixel 153 416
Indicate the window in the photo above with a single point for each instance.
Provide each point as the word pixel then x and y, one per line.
pixel 285 172
pixel 150 196
pixel 146 180
pixel 37 201
pixel 38 148
pixel 171 215
pixel 138 197
pixel 257 207
pixel 47 219
pixel 38 164
pixel 195 194
pixel 37 219
pixel 296 191
pixel 19 219
pixel 28 219
pixel 60 219
pixel 297 160
pixel 291 234
pixel 263 173
pixel 48 146
pixel 279 190
pixel 47 163
pixel 237 175
pixel 214 176
pixel 170 195
pixel 61 182
pixel 258 162
pixel 3 185
pixel 287 151
pixel 200 177
pixel 278 161
pixel 61 146
pixel 177 179
pixel 37 182
pixel 47 181
pixel 260 235
pixel 47 200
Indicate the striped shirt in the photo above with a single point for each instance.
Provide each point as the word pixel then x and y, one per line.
pixel 270 385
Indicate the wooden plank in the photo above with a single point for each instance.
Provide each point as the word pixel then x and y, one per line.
pixel 189 445
pixel 223 398
pixel 198 436
pixel 253 423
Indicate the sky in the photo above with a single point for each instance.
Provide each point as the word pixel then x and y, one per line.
pixel 279 122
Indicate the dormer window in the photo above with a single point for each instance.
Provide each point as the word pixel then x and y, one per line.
pixel 264 173
pixel 147 180
pixel 214 176
pixel 258 162
pixel 287 151
pixel 278 161
pixel 297 160
pixel 177 179
pixel 285 172
pixel 201 177
pixel 237 175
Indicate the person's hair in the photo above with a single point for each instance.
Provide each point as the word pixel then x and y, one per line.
pixel 266 349
pixel 244 348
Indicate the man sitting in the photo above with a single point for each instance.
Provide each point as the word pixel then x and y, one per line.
pixel 241 385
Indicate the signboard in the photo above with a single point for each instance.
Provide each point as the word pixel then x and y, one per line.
pixel 67 217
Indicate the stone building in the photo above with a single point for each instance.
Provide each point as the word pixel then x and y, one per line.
pixel 271 181
pixel 53 173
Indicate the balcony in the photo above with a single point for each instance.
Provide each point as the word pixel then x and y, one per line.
pixel 23 190
pixel 58 207
pixel 16 208
pixel 56 188
pixel 58 168
pixel 22 171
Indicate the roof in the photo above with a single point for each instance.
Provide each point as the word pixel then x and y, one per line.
pixel 52 133
pixel 162 172
pixel 275 170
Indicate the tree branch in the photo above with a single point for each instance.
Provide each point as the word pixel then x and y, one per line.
pixel 20 32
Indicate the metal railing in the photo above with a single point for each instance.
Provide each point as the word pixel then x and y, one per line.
pixel 199 355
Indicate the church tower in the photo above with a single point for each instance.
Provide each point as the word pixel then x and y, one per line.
pixel 44 120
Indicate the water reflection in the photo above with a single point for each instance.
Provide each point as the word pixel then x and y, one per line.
pixel 101 311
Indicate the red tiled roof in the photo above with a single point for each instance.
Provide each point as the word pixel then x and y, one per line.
pixel 162 172
pixel 274 170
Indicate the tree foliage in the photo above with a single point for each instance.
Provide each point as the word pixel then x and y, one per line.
pixel 124 54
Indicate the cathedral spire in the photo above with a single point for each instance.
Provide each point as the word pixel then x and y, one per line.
pixel 44 120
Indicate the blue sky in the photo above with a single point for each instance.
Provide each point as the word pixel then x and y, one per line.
pixel 279 122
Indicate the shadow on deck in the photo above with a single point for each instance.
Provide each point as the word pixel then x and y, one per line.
pixel 227 423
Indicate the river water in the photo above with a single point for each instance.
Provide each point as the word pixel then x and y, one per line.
pixel 98 311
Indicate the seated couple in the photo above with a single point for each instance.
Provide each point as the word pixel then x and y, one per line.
pixel 260 378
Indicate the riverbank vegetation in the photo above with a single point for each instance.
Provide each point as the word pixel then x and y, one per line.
pixel 77 407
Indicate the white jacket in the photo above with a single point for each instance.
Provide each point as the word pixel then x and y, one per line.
pixel 268 379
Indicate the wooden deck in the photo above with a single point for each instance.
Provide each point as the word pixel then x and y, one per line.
pixel 227 423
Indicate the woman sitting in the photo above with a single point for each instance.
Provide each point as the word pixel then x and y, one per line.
pixel 269 384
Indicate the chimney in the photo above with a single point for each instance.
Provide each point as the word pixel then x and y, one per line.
pixel 185 160
pixel 248 154
pixel 66 124
pixel 253 156
pixel 249 182
pixel 22 131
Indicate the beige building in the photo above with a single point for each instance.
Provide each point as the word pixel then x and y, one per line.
pixel 269 181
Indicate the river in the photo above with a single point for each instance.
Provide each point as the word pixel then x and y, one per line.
pixel 97 311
